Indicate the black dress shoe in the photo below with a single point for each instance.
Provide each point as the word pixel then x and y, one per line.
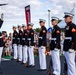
pixel 29 66
pixel 19 61
pixel 65 73
pixel 22 63
pixel 54 74
pixel 1 72
pixel 12 59
pixel 41 69
pixel 26 64
pixel 48 72
pixel 33 65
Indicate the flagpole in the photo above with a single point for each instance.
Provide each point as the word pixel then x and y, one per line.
pixel 48 18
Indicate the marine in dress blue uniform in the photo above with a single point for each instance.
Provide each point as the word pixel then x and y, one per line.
pixel 70 43
pixel 31 62
pixel 55 46
pixel 15 42
pixel 42 46
pixel 20 43
pixel 1 43
pixel 25 47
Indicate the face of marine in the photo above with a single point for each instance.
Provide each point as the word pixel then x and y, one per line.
pixel 14 29
pixel 55 22
pixel 29 27
pixel 24 28
pixel 42 24
pixel 19 28
pixel 68 19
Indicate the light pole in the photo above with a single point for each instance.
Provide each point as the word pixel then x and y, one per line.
pixel 2 16
pixel 48 18
pixel 2 13
pixel 74 12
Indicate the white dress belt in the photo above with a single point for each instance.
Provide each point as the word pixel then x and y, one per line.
pixel 29 39
pixel 13 37
pixel 0 36
pixel 53 39
pixel 18 38
pixel 68 38
pixel 40 37
pixel 23 38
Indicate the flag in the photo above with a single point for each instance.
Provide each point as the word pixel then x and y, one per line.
pixel 27 14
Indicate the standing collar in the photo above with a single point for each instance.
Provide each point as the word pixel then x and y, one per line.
pixel 54 26
pixel 42 26
pixel 19 30
pixel 30 29
pixel 69 23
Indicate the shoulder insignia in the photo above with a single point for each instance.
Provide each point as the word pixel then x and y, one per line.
pixel 32 33
pixel 25 34
pixel 44 31
pixel 57 31
pixel 15 34
pixel 73 30
pixel 20 33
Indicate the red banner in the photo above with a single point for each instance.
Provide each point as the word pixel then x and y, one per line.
pixel 27 14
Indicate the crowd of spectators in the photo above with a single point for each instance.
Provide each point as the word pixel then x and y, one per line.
pixel 8 48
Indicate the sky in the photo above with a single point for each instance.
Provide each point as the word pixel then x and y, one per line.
pixel 14 12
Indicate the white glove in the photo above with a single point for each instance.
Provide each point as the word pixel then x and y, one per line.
pixel 50 38
pixel 15 44
pixel 71 50
pixel 42 46
pixel 56 49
